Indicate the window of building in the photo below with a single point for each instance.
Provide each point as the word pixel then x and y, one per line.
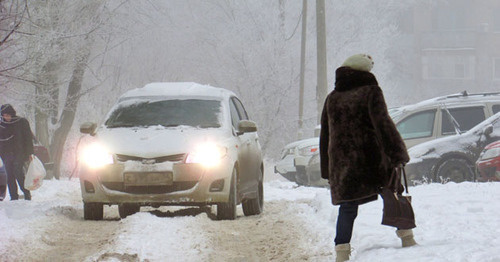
pixel 496 68
pixel 496 20
pixel 449 66
pixel 448 18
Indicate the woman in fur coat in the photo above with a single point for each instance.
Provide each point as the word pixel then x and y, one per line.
pixel 359 144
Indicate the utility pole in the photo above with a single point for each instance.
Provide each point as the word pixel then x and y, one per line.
pixel 322 86
pixel 302 67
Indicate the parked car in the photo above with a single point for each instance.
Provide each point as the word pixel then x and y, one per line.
pixel 173 144
pixel 42 153
pixel 299 151
pixel 434 118
pixel 3 181
pixel 452 158
pixel 488 164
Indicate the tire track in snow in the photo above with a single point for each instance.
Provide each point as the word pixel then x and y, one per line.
pixel 275 235
pixel 63 235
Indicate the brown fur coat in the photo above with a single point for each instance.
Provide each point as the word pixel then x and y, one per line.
pixel 359 143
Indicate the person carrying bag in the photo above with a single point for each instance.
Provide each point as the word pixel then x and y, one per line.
pixel 359 146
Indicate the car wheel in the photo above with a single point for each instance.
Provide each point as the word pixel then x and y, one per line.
pixel 455 170
pixel 92 211
pixel 301 177
pixel 127 209
pixel 254 206
pixel 227 211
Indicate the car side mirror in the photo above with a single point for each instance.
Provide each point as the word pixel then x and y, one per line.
pixel 88 128
pixel 246 126
pixel 488 130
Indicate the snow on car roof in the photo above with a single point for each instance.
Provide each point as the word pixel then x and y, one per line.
pixel 177 89
pixel 452 99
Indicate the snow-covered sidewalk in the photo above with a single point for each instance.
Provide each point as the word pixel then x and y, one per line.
pixel 456 222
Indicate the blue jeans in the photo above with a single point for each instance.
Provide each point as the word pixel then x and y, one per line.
pixel 347 214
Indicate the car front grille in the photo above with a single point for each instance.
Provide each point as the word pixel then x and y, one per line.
pixel 162 189
pixel 171 158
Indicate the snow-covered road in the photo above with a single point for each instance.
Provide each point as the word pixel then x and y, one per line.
pixel 456 222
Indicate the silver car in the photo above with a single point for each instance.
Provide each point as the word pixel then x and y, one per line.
pixel 173 144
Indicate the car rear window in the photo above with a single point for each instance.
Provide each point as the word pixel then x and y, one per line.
pixel 496 109
pixel 169 113
pixel 467 118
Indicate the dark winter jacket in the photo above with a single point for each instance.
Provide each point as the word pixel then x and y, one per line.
pixel 16 139
pixel 359 143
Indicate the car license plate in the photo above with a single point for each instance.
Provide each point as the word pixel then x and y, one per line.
pixel 148 179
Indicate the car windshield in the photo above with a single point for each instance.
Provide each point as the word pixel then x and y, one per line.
pixel 169 113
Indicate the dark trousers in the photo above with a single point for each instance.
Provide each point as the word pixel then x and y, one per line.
pixel 345 222
pixel 15 173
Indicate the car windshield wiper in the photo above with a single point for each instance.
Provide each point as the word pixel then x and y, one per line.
pixel 209 126
pixel 453 121
pixel 120 125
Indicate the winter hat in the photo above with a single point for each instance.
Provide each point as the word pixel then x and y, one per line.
pixel 8 109
pixel 361 62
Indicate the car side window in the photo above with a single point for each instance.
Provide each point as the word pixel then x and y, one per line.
pixel 241 110
pixel 235 118
pixel 467 118
pixel 418 125
pixel 496 109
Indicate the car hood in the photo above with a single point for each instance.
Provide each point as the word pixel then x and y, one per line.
pixel 303 143
pixel 493 145
pixel 438 147
pixel 157 141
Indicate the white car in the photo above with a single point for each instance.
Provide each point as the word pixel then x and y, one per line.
pixel 173 144
pixel 299 151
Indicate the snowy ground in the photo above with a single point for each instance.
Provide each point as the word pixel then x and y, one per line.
pixel 456 222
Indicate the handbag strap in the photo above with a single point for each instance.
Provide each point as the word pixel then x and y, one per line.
pixel 404 176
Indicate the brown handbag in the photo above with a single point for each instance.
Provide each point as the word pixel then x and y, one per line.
pixel 398 211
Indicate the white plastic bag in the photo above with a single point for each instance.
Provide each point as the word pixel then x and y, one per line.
pixel 35 174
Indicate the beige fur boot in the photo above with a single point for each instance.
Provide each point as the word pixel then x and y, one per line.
pixel 406 236
pixel 343 252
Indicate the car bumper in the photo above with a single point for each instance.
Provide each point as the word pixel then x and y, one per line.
pixel 488 170
pixel 285 165
pixel 421 171
pixel 187 184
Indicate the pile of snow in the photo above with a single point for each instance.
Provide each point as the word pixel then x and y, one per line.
pixel 456 222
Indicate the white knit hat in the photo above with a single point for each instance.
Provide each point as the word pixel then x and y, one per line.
pixel 361 62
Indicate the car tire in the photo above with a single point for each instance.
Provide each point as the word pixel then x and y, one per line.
pixel 255 206
pixel 93 211
pixel 127 209
pixel 227 211
pixel 301 177
pixel 454 170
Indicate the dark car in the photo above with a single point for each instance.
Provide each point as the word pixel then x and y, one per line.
pixel 488 164
pixel 452 158
pixel 43 154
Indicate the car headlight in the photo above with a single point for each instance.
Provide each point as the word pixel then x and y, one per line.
pixel 208 155
pixel 490 153
pixel 308 150
pixel 96 156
